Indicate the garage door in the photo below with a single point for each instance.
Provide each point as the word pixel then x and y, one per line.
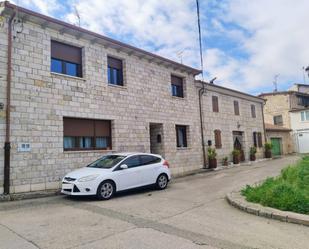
pixel 303 142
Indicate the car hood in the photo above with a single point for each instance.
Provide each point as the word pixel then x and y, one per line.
pixel 86 171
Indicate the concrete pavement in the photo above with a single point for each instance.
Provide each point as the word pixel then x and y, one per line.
pixel 191 213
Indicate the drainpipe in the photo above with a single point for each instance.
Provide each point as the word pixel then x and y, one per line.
pixel 200 94
pixel 7 143
pixel 262 105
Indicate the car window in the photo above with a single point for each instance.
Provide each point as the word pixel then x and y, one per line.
pixel 106 162
pixel 147 159
pixel 132 162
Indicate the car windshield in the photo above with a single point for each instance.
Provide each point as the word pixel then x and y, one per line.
pixel 107 162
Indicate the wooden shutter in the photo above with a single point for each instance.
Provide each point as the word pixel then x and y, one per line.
pixel 260 142
pixel 218 143
pixel 253 114
pixel 66 52
pixel 102 128
pixel 177 81
pixel 75 127
pixel 236 107
pixel 255 139
pixel 114 63
pixel 215 104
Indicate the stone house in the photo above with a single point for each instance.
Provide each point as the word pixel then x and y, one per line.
pixel 232 119
pixel 72 95
pixel 288 109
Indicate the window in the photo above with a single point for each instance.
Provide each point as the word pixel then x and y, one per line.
pixel 236 107
pixel 146 159
pixel 218 143
pixel 253 114
pixel 257 139
pixel 114 71
pixel 304 115
pixel 86 134
pixel 106 162
pixel 66 59
pixel 278 120
pixel 133 161
pixel 303 101
pixel 181 135
pixel 177 86
pixel 215 104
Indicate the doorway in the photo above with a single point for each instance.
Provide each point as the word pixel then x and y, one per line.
pixel 238 143
pixel 156 138
pixel 276 146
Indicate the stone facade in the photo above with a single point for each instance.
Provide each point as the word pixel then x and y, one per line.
pixel 226 121
pixel 139 111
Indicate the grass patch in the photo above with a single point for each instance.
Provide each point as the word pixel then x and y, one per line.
pixel 288 192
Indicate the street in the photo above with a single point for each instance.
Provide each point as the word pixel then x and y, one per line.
pixel 190 213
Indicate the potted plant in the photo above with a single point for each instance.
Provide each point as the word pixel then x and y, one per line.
pixel 225 161
pixel 236 156
pixel 252 153
pixel 212 154
pixel 268 146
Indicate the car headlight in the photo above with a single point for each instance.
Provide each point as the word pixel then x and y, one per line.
pixel 88 178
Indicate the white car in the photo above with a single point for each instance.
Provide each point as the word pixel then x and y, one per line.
pixel 117 172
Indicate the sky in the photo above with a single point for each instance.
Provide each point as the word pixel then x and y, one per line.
pixel 246 44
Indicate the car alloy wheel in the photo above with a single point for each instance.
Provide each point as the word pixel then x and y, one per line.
pixel 106 190
pixel 162 181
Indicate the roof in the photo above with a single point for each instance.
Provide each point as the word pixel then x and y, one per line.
pixel 63 27
pixel 299 109
pixel 283 93
pixel 271 127
pixel 208 85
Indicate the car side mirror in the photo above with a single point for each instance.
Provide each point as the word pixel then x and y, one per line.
pixel 123 166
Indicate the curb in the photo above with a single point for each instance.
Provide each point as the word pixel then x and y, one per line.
pixel 28 195
pixel 237 200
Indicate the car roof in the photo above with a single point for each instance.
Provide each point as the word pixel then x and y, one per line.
pixel 134 153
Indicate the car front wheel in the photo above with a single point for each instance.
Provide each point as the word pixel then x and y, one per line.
pixel 162 181
pixel 106 190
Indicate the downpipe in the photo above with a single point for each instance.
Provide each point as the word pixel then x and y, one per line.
pixel 7 143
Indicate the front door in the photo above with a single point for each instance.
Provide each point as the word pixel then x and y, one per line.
pixel 276 149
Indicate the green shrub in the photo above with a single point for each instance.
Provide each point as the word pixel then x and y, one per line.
pixel 289 191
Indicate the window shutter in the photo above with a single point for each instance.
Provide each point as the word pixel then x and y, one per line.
pixel 178 81
pixel 215 104
pixel 114 63
pixel 75 127
pixel 102 128
pixel 218 143
pixel 253 114
pixel 66 52
pixel 255 139
pixel 236 107
pixel 260 143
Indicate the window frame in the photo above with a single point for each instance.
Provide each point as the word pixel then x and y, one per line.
pixel 77 139
pixel 215 103
pixel 66 58
pixel 236 108
pixel 185 136
pixel 305 115
pixel 177 85
pixel 253 111
pixel 276 122
pixel 111 68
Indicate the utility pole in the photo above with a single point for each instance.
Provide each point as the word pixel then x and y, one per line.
pixel 275 82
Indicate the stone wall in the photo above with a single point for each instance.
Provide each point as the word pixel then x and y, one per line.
pixel 40 100
pixel 287 143
pixel 277 104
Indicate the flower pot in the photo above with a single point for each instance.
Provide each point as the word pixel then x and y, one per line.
pixel 236 159
pixel 225 163
pixel 212 163
pixel 252 157
pixel 268 153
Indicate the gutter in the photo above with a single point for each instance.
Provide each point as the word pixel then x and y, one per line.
pixel 262 106
pixel 200 94
pixel 7 143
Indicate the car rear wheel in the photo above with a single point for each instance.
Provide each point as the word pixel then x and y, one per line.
pixel 106 190
pixel 162 181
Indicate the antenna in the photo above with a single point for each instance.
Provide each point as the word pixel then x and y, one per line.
pixel 77 15
pixel 179 55
pixel 275 82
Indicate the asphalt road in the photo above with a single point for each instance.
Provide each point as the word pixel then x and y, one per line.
pixel 191 214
